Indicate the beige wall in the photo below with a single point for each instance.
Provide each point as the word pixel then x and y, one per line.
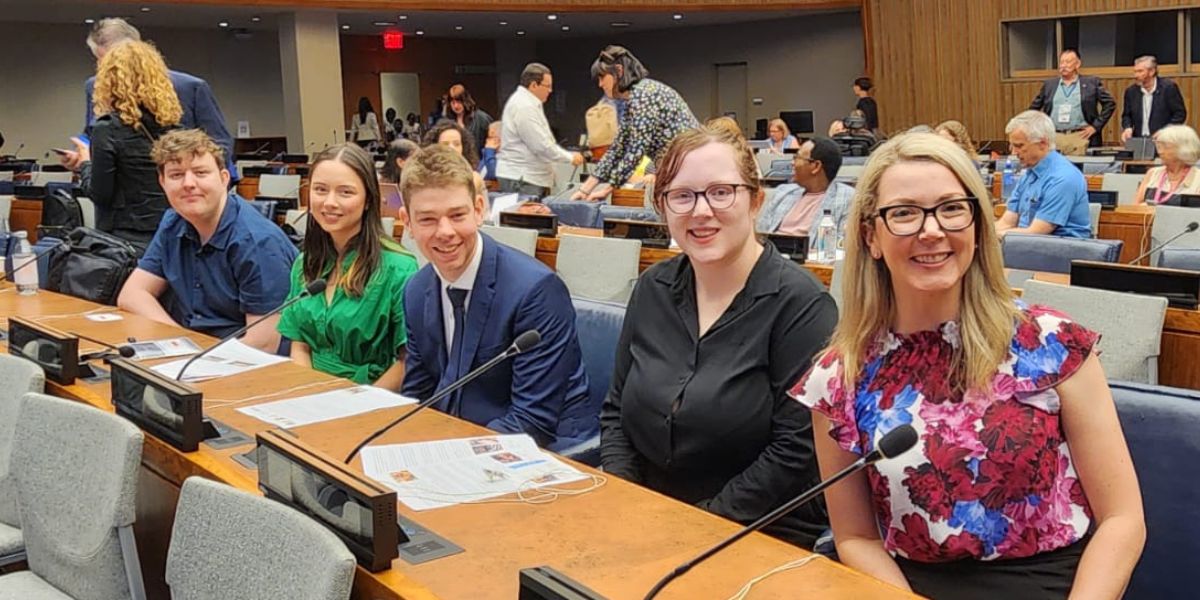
pixel 43 67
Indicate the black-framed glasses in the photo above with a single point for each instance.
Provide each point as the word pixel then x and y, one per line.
pixel 719 196
pixel 955 214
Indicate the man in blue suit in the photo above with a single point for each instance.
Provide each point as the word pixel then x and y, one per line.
pixel 472 300
pixel 200 109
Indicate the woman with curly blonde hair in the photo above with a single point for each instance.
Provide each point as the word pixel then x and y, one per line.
pixel 134 103
pixel 957 133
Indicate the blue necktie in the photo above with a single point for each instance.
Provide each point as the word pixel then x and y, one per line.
pixel 458 301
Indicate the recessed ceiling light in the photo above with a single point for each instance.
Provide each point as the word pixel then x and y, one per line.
pixel 89 21
pixel 420 32
pixel 677 16
pixel 145 9
pixel 256 19
pixel 621 24
pixel 382 23
pixel 458 27
pixel 223 24
pixel 521 32
pixel 403 17
pixel 566 27
pixel 503 23
pixel 551 17
pixel 345 27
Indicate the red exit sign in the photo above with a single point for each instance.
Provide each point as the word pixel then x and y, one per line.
pixel 393 40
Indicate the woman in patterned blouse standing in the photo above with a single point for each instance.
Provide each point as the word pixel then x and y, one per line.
pixel 1022 485
pixel 654 114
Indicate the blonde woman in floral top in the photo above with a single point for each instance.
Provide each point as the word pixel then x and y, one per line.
pixel 1021 485
pixel 654 114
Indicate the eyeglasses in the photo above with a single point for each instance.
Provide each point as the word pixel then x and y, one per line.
pixel 719 196
pixel 955 214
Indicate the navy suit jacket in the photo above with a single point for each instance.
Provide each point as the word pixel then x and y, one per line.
pixel 1166 107
pixel 200 111
pixel 542 392
pixel 1091 93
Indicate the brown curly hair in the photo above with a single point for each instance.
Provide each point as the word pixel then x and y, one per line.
pixel 133 77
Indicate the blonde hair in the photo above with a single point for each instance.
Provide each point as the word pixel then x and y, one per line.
pixel 780 123
pixel 1183 139
pixel 959 132
pixel 174 146
pixel 988 313
pixel 436 166
pixel 133 76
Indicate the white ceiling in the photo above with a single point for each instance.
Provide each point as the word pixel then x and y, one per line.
pixel 474 25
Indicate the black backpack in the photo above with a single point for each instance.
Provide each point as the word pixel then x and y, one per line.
pixel 95 266
pixel 61 212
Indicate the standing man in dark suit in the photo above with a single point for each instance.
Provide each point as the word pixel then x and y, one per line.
pixel 200 109
pixel 472 300
pixel 1151 102
pixel 1078 105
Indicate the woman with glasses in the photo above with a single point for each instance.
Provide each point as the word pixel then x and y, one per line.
pixel 711 340
pixel 1021 485
pixel 654 113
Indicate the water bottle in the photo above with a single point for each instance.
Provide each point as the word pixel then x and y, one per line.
pixel 1009 178
pixel 26 276
pixel 827 239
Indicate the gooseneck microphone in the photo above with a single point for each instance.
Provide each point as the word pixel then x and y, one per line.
pixel 1186 230
pixel 33 259
pixel 523 343
pixel 313 288
pixel 123 350
pixel 893 443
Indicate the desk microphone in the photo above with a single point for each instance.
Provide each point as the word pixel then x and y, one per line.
pixel 123 350
pixel 313 288
pixel 893 443
pixel 261 148
pixel 523 343
pixel 1186 230
pixel 8 273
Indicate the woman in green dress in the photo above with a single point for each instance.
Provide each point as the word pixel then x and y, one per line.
pixel 356 328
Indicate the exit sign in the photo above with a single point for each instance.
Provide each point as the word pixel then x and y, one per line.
pixel 393 40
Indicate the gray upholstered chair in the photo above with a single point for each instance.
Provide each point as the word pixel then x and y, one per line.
pixel 598 325
pixel 229 544
pixel 524 240
pixel 1187 259
pixel 1169 221
pixel 835 282
pixel 1124 184
pixel 1130 325
pixel 1054 254
pixel 76 470
pixel 1094 218
pixel 580 266
pixel 17 376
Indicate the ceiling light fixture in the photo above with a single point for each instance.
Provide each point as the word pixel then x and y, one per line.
pixel 382 23
pixel 551 17
pixel 256 19
pixel 403 17
pixel 621 24
pixel 458 27
pixel 89 21
pixel 503 23
pixel 420 32
pixel 677 17
pixel 345 27
pixel 223 24
pixel 566 27
pixel 145 9
pixel 521 32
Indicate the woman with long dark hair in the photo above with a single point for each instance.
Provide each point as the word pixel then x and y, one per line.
pixel 356 328
pixel 397 152
pixel 460 107
pixel 450 133
pixel 364 125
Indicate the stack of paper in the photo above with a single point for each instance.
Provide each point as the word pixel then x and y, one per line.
pixel 230 359
pixel 325 406
pixel 429 475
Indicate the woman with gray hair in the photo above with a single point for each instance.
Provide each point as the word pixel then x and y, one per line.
pixel 1179 148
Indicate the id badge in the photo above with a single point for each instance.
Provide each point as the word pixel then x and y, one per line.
pixel 1064 113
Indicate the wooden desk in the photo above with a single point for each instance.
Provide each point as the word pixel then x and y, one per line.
pixel 618 540
pixel 25 215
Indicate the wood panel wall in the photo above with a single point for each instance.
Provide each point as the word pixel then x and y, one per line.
pixel 934 60
pixel 541 5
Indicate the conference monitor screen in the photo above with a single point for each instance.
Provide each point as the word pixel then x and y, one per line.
pixel 56 352
pixel 652 234
pixel 1181 288
pixel 798 121
pixel 545 225
pixel 1107 199
pixel 793 247
pixel 165 408
pixel 1184 200
pixel 356 509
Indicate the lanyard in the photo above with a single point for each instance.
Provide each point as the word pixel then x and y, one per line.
pixel 1067 89
pixel 1159 198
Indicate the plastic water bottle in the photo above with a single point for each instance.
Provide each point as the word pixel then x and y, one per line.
pixel 827 238
pixel 1009 178
pixel 26 277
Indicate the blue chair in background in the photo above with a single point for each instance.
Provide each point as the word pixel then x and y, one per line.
pixel 1187 259
pixel 598 325
pixel 1049 253
pixel 265 208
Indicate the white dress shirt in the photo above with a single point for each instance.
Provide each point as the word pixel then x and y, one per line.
pixel 1147 102
pixel 527 148
pixel 365 130
pixel 466 281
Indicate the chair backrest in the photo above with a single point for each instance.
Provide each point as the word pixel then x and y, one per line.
pixel 1187 259
pixel 1125 184
pixel 1054 254
pixel 409 243
pixel 17 376
pixel 599 268
pixel 44 177
pixel 298 219
pixel 835 282
pixel 1130 325
pixel 242 165
pixel 851 171
pixel 279 186
pixel 524 240
pixel 1094 218
pixel 598 325
pixel 229 544
pixel 76 472
pixel 87 208
pixel 1169 221
pixel 1160 425
pixel 265 208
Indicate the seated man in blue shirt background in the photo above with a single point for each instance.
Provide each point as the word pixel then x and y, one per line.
pixel 472 300
pixel 221 263
pixel 1051 198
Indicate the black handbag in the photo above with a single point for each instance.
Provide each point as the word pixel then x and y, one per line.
pixel 95 266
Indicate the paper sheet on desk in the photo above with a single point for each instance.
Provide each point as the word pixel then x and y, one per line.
pixel 325 406
pixel 230 359
pixel 430 475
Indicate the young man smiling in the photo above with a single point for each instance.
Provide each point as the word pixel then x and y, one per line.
pixel 469 304
pixel 223 262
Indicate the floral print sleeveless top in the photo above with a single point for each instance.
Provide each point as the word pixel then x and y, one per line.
pixel 991 476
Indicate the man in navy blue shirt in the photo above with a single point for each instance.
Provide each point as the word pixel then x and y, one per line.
pixel 222 261
pixel 1051 198
pixel 200 109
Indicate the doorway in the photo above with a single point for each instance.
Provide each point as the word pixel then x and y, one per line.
pixel 401 91
pixel 732 83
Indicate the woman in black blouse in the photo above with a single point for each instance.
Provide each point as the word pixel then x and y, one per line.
pixel 712 339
